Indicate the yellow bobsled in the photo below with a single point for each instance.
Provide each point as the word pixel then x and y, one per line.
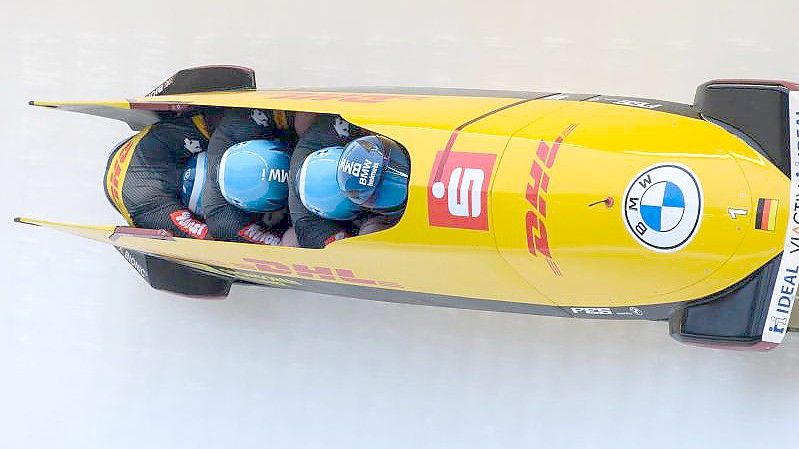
pixel 571 205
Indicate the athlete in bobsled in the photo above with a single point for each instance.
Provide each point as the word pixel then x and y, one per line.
pixel 365 182
pixel 161 178
pixel 231 201
pixel 252 177
pixel 314 230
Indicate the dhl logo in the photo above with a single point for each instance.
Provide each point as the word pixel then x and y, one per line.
pixel 316 272
pixel 535 219
pixel 119 167
pixel 122 159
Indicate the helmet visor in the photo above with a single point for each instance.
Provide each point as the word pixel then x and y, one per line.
pixel 392 192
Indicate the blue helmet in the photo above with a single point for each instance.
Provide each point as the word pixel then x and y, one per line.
pixel 373 173
pixel 318 188
pixel 253 175
pixel 192 183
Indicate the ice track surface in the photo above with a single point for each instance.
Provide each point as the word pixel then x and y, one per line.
pixel 90 357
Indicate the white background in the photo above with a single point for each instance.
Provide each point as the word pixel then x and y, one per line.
pixel 90 357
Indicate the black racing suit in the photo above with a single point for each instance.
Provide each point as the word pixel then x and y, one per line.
pixel 225 221
pixel 312 230
pixel 142 178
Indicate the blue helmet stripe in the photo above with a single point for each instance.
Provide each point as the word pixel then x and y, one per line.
pixel 221 174
pixel 195 201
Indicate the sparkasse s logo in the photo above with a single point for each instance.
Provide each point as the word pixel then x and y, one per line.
pixel 457 193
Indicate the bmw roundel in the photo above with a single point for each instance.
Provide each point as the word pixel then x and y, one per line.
pixel 663 207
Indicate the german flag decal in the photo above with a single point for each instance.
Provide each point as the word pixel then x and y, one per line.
pixel 766 214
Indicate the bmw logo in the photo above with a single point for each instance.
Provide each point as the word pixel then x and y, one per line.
pixel 663 207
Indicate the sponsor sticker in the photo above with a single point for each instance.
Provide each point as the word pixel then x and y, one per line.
pixel 535 194
pixel 160 89
pixel 784 294
pixel 634 102
pixel 637 103
pixel 315 272
pixel 591 310
pixel 118 169
pixel 136 260
pixel 278 174
pixel 630 312
pixel 185 221
pixel 459 199
pixel 365 172
pixel 663 207
pixel 255 233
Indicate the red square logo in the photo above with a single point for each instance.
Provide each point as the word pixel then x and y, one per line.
pixel 457 193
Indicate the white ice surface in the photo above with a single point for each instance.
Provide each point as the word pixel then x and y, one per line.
pixel 90 357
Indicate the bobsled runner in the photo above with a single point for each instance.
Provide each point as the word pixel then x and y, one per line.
pixel 570 205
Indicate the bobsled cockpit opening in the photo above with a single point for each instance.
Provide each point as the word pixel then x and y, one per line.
pixel 334 174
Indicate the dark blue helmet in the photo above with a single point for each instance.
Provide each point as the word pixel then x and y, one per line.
pixel 192 183
pixel 373 173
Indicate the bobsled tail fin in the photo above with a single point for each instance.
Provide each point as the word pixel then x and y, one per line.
pixel 180 278
pixel 174 275
pixel 756 313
